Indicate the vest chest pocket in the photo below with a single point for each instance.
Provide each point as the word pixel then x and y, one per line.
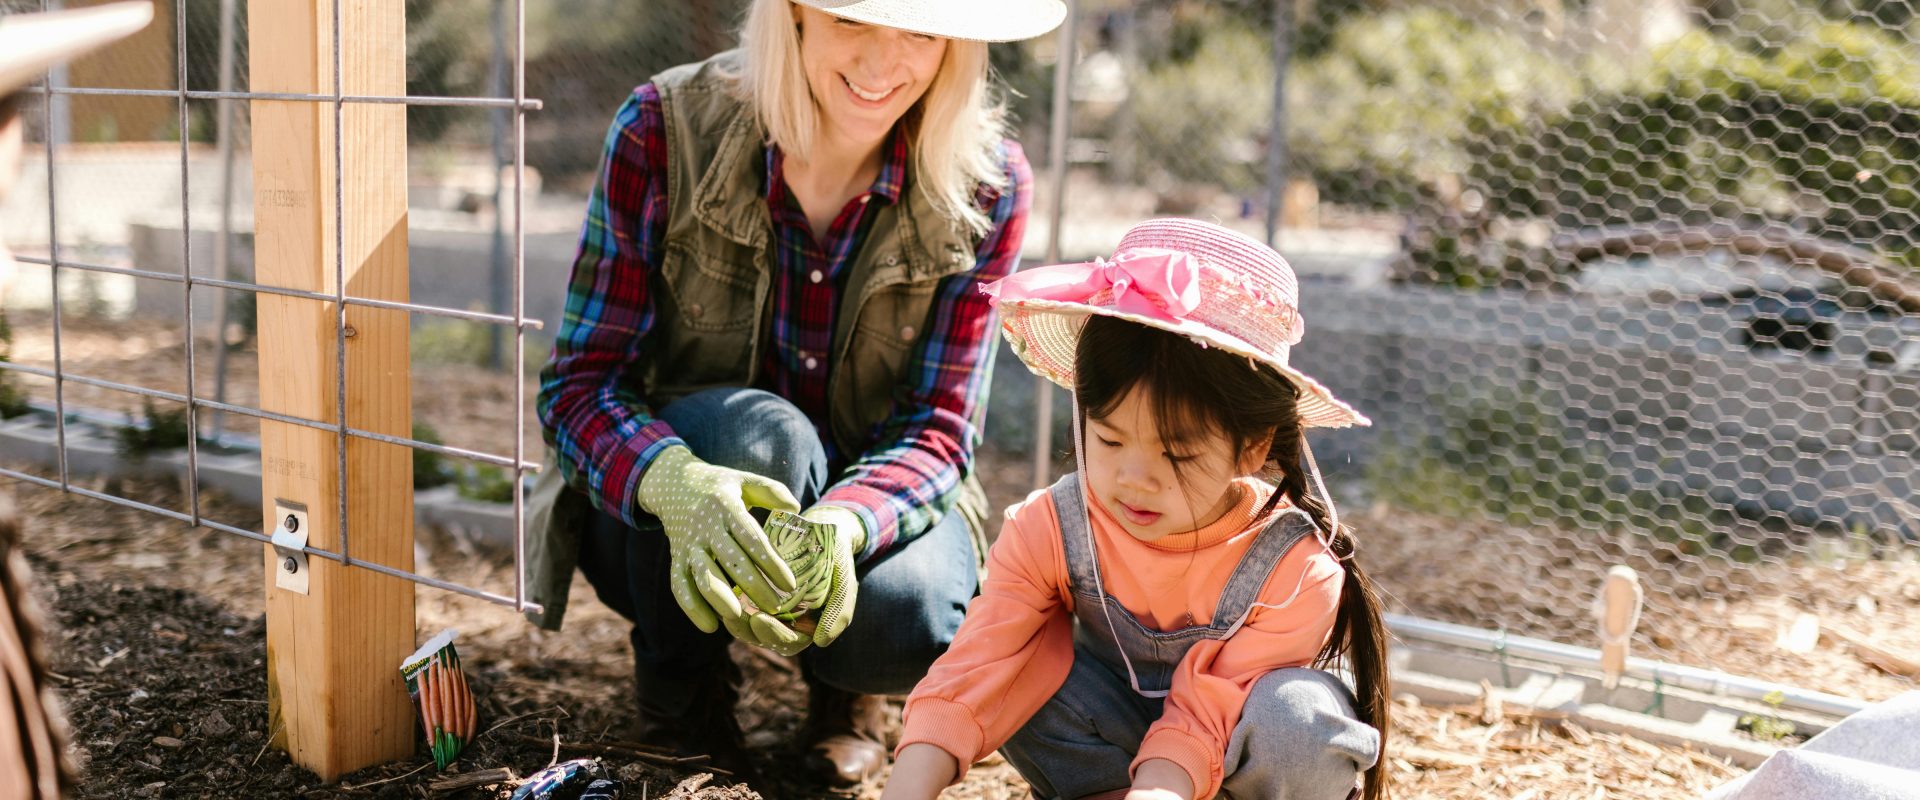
pixel 891 321
pixel 704 319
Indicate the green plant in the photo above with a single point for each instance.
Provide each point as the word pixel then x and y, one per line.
pixel 1499 452
pixel 1818 128
pixel 1768 727
pixel 451 341
pixel 429 468
pixel 1388 106
pixel 13 399
pixel 1209 111
pixel 486 483
pixel 157 429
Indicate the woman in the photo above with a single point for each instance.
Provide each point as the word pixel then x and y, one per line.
pixel 775 305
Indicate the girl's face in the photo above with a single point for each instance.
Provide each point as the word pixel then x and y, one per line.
pixel 1131 471
pixel 864 77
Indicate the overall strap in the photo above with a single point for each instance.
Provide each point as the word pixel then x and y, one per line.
pixel 1070 511
pixel 1270 545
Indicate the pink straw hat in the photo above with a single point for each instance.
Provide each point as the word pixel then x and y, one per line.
pixel 1212 285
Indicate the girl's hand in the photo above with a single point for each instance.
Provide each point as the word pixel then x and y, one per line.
pixel 1160 779
pixel 920 773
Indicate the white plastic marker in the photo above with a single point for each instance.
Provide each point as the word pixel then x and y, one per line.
pixel 1618 610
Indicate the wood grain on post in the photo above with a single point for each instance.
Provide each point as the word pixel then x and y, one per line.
pixel 337 699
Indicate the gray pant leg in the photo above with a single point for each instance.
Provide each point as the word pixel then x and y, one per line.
pixel 1298 739
pixel 1082 741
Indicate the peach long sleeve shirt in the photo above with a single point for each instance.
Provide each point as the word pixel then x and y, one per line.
pixel 1015 648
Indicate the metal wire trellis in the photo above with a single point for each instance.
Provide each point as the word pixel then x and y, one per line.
pixel 518 105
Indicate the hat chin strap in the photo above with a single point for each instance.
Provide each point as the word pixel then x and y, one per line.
pixel 1326 497
pixel 1323 538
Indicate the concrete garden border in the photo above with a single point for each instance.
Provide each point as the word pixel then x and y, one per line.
pixel 233 470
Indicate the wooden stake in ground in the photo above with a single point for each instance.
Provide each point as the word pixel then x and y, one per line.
pixel 1618 608
pixel 332 653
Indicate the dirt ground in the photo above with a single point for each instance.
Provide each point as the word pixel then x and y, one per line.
pixel 160 647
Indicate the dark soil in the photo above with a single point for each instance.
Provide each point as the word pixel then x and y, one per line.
pixel 164 692
pixel 159 657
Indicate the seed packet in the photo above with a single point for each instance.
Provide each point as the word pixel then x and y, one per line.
pixel 439 690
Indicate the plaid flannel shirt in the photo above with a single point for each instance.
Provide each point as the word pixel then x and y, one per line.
pixel 607 436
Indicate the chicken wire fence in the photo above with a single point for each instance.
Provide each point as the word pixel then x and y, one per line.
pixel 1618 281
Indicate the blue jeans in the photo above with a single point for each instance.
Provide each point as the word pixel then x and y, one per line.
pixel 911 599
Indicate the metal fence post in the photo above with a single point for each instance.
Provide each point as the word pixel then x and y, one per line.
pixel 1057 173
pixel 223 242
pixel 1277 132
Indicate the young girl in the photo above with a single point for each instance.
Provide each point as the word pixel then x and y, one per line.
pixel 1149 627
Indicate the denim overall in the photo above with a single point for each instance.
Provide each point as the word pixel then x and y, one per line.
pixel 1297 737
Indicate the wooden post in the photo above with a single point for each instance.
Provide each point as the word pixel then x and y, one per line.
pixel 333 655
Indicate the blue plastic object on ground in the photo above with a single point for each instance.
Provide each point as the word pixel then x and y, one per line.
pixel 579 779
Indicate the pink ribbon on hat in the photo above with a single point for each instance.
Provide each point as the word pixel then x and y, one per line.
pixel 1148 281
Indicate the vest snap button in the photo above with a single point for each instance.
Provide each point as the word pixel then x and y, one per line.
pixel 694 311
pixel 907 333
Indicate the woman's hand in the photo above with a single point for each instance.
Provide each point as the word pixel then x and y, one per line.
pixel 1160 779
pixel 920 773
pixel 849 537
pixel 715 543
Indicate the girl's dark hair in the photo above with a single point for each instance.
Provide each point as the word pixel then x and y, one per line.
pixel 1198 392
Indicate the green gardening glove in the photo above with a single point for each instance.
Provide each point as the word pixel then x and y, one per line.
pixel 761 629
pixel 715 544
pixel 848 535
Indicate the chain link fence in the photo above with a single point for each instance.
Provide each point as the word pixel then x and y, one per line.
pixel 1619 281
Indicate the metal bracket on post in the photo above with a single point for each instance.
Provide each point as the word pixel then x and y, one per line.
pixel 289 543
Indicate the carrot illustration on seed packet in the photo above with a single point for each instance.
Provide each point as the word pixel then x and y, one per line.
pixel 439 689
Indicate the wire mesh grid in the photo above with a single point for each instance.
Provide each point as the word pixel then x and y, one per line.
pixel 518 105
pixel 1619 282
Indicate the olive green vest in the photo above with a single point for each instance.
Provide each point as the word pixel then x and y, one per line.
pixel 711 303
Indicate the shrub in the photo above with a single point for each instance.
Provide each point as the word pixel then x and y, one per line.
pixel 157 429
pixel 1387 108
pixel 486 483
pixel 1503 453
pixel 1825 128
pixel 13 399
pixel 1202 117
pixel 429 468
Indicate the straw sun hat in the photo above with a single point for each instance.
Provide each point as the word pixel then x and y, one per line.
pixel 1212 285
pixel 30 44
pixel 979 20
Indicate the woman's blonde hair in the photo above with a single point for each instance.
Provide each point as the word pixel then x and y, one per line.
pixel 955 128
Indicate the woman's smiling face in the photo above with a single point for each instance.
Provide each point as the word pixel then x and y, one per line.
pixel 1131 470
pixel 864 77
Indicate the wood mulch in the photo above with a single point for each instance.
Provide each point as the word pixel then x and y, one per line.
pixel 160 638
